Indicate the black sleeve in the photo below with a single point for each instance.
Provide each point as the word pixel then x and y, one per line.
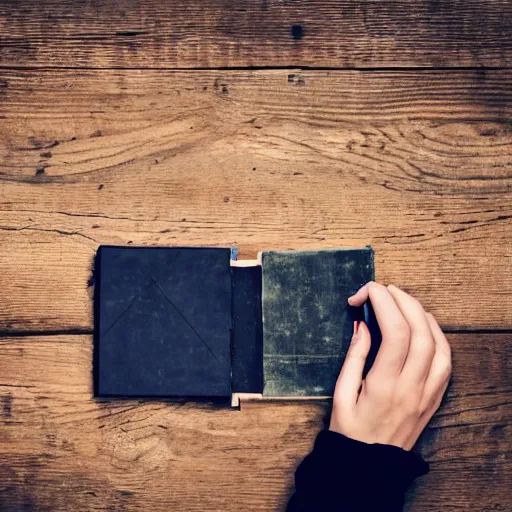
pixel 344 475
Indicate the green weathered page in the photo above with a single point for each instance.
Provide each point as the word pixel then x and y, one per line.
pixel 307 323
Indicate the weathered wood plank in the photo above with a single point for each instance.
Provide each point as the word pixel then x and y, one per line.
pixel 227 33
pixel 417 164
pixel 61 450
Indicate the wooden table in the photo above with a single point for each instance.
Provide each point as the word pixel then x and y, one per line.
pixel 269 124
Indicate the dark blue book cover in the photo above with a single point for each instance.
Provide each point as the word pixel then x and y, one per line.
pixel 163 322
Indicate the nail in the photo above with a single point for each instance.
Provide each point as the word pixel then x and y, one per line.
pixel 356 328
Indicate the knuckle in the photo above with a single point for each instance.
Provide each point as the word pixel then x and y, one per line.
pixel 447 369
pixel 446 366
pixel 431 404
pixel 401 332
pixel 357 352
pixel 426 405
pixel 375 287
pixel 398 332
pixel 428 347
pixel 423 408
pixel 404 328
pixel 356 356
pixel 413 405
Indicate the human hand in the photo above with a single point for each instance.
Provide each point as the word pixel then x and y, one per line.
pixel 407 381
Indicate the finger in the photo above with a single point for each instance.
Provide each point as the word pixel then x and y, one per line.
pixel 361 296
pixel 351 375
pixel 421 346
pixel 393 327
pixel 439 337
pixel 440 369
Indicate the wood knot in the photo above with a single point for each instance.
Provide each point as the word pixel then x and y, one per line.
pixel 297 31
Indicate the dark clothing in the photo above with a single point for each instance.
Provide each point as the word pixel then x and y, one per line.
pixel 344 475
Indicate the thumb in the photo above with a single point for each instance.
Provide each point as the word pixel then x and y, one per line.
pixel 351 375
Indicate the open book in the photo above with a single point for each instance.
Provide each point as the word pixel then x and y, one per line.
pixel 198 323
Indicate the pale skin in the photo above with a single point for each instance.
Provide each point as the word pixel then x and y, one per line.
pixel 408 379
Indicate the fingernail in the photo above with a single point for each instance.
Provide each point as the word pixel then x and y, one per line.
pixel 356 328
pixel 350 300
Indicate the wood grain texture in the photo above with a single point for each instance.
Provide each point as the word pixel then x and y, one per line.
pixel 101 142
pixel 416 164
pixel 227 33
pixel 62 450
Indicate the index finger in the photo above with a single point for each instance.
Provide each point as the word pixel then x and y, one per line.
pixel 393 327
